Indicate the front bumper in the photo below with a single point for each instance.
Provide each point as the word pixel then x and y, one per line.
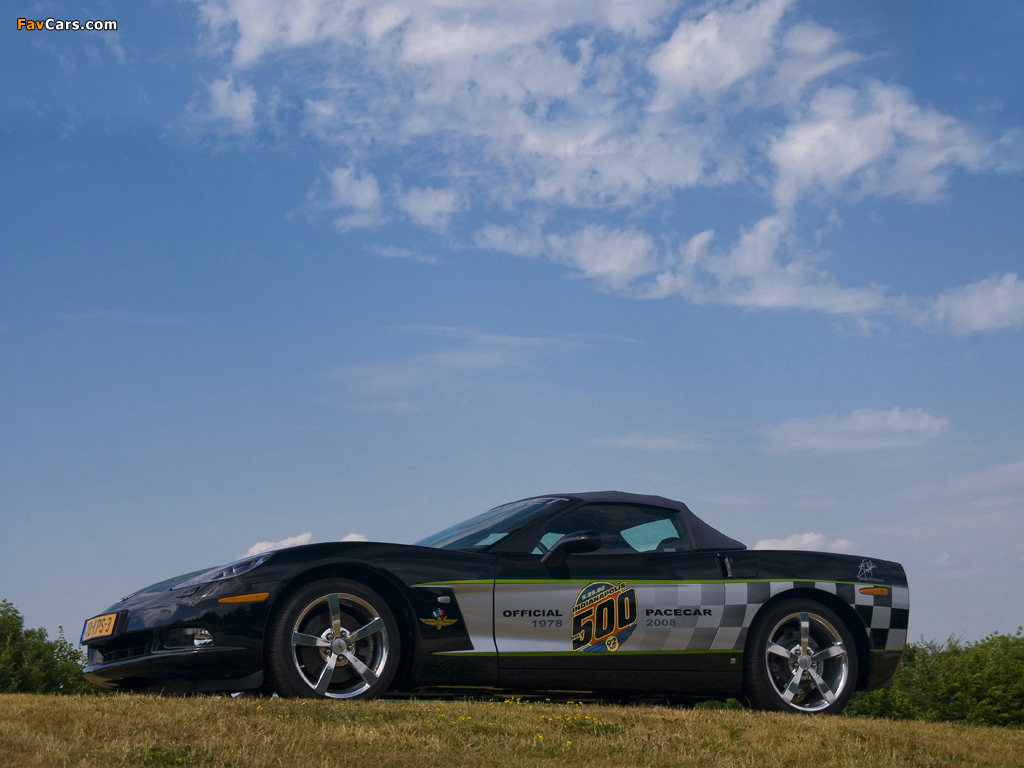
pixel 193 671
pixel 147 653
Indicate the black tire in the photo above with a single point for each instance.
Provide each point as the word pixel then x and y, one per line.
pixel 333 639
pixel 800 657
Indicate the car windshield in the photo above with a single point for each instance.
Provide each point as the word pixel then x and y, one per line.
pixel 492 526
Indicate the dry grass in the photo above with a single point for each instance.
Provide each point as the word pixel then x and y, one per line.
pixel 252 732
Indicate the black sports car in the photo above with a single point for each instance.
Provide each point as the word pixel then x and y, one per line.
pixel 612 593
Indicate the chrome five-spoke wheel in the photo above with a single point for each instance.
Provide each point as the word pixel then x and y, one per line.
pixel 336 640
pixel 803 660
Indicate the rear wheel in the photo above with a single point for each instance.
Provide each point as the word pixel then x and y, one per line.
pixel 800 657
pixel 333 639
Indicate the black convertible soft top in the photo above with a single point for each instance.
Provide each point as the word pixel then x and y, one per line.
pixel 703 536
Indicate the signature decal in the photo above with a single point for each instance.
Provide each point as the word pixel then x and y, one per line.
pixel 438 620
pixel 866 570
pixel 603 617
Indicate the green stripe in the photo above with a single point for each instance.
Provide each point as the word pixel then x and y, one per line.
pixel 565 581
pixel 583 654
pixel 579 654
pixel 465 653
pixel 651 581
pixel 589 581
pixel 819 581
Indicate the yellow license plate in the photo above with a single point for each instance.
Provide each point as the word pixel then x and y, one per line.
pixel 99 626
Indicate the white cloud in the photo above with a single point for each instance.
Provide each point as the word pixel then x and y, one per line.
pixel 354 537
pixel 640 442
pixel 1006 155
pixel 490 75
pixel 398 386
pixel 863 430
pixel 613 258
pixel 872 141
pixel 808 53
pixel 431 208
pixel 988 305
pixel 113 43
pixel 514 240
pixel 529 115
pixel 235 105
pixel 450 32
pixel 751 274
pixel 268 546
pixel 358 220
pixel 999 502
pixel 258 27
pixel 559 114
pixel 997 478
pixel 356 192
pixel 808 542
pixel 391 252
pixel 708 55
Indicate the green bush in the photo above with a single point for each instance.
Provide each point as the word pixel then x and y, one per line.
pixel 978 683
pixel 30 663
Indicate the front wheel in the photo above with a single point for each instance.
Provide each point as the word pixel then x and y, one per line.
pixel 801 658
pixel 333 639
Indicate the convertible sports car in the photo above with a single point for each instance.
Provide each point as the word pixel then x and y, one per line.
pixel 609 593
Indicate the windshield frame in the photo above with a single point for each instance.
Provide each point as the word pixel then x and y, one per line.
pixel 500 522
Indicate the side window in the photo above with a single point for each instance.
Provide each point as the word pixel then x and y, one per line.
pixel 647 537
pixel 625 529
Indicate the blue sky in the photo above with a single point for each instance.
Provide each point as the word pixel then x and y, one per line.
pixel 306 270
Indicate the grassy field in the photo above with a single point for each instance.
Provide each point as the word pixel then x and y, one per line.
pixel 252 732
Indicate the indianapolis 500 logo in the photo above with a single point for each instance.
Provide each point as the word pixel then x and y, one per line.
pixel 603 617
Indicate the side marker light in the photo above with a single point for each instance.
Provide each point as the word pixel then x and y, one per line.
pixel 876 591
pixel 252 597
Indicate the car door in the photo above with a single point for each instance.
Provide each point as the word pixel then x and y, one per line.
pixel 643 601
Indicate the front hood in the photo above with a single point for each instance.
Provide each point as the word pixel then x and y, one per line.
pixel 188 583
pixel 163 586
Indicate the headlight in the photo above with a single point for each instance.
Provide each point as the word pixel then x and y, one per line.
pixel 228 571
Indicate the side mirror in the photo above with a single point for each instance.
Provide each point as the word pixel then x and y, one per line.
pixel 580 541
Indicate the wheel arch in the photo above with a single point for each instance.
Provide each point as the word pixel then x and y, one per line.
pixel 380 582
pixel 841 609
